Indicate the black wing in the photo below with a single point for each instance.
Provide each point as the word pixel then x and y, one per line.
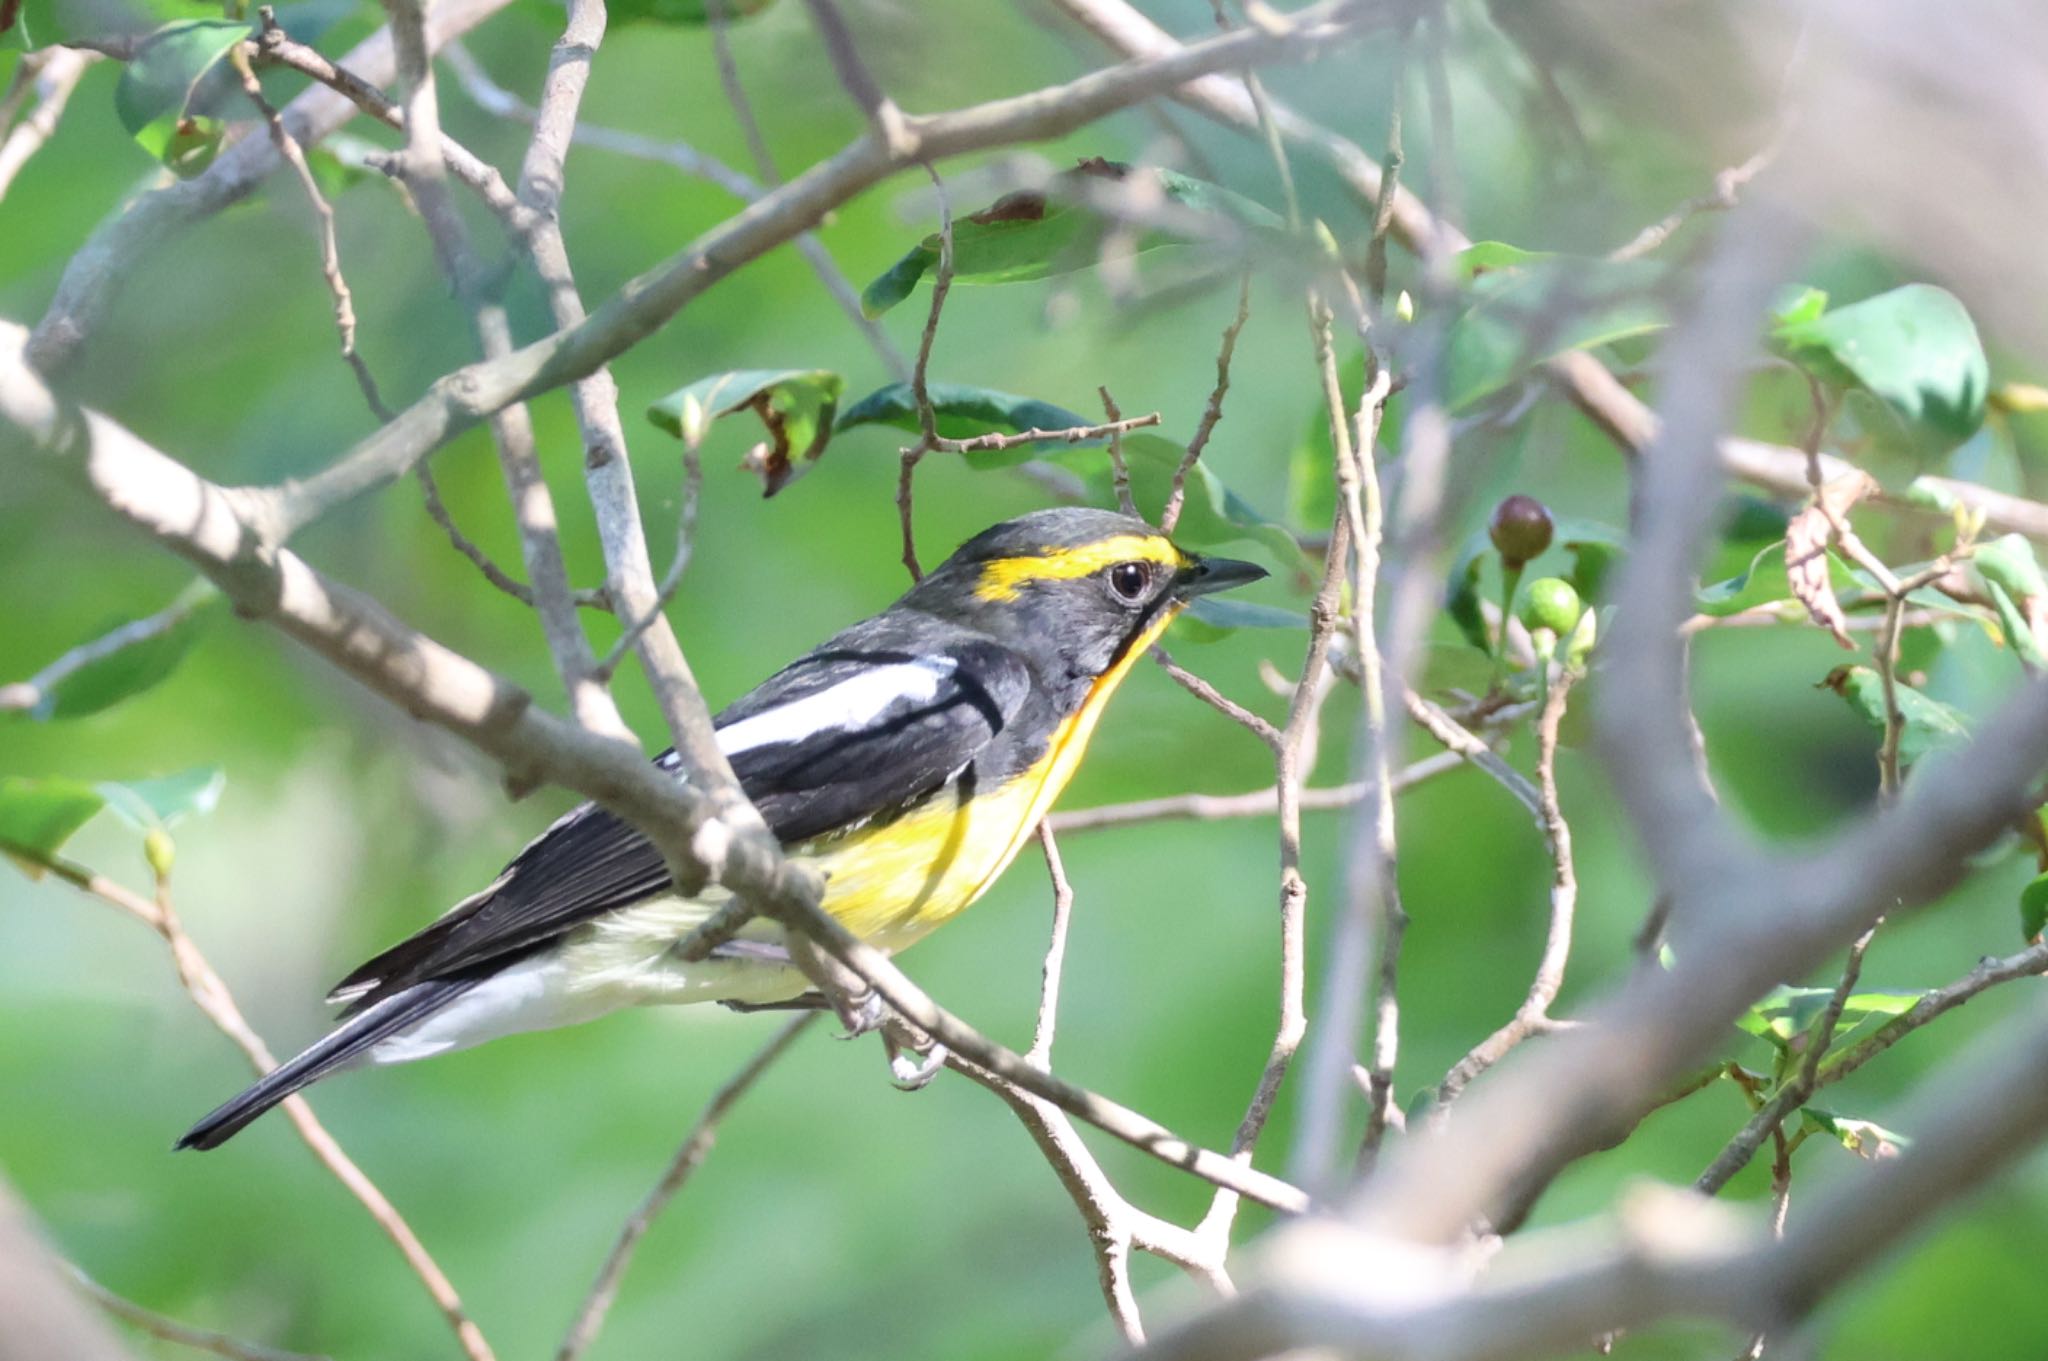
pixel 849 733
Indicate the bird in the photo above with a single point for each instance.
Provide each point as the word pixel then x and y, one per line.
pixel 907 758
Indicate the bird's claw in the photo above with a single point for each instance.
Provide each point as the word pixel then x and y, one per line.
pixel 911 1071
pixel 861 1015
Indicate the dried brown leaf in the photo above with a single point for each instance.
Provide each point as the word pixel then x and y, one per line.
pixel 1806 552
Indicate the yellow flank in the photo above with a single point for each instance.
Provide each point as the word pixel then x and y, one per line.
pixel 892 884
pixel 1003 578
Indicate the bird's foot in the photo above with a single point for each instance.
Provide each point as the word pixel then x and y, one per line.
pixel 912 1071
pixel 861 1014
pixel 803 1001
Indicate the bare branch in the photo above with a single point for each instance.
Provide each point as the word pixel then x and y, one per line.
pixel 1040 1051
pixel 1727 191
pixel 920 382
pixel 330 248
pixel 210 994
pixel 1177 493
pixel 1258 803
pixel 1667 1255
pixel 1119 471
pixel 117 248
pixel 1216 699
pixel 881 111
pixel 423 165
pixel 1534 1013
pixel 671 582
pixel 462 398
pixel 696 1145
pixel 54 78
pixel 181 1334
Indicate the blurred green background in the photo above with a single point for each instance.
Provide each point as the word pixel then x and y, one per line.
pixel 836 1216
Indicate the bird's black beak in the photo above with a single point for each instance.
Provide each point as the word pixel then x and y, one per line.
pixel 1209 575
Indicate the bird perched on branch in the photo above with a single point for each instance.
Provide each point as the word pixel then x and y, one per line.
pixel 908 758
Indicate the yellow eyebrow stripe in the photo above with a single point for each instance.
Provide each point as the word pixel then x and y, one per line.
pixel 1004 578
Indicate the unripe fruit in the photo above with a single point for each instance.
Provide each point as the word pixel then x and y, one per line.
pixel 159 850
pixel 1520 529
pixel 1550 603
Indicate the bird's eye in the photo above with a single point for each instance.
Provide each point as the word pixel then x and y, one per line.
pixel 1129 579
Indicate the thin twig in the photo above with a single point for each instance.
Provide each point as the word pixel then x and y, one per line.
pixel 687 160
pixel 53 78
pixel 1070 434
pixel 437 511
pixel 1534 1013
pixel 1040 1051
pixel 696 1145
pixel 210 994
pixel 1727 191
pixel 736 92
pixel 1119 471
pixel 168 1329
pixel 274 45
pixel 1257 803
pixel 860 84
pixel 1796 1091
pixel 1176 493
pixel 1457 739
pixel 330 246
pixel 1294 755
pixel 920 383
pixel 686 538
pixel 1372 902
pixel 1216 699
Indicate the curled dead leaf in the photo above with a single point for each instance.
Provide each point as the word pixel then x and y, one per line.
pixel 1806 551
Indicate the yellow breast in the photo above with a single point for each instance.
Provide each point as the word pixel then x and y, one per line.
pixel 890 884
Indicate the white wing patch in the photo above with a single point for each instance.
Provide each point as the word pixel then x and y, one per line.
pixel 849 706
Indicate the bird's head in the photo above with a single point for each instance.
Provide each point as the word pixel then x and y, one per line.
pixel 1085 586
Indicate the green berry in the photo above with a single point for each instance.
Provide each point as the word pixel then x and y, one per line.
pixel 1520 529
pixel 1550 603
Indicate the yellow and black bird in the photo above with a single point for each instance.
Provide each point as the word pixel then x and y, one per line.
pixel 908 758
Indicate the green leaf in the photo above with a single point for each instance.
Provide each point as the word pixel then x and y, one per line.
pixel 963 412
pixel 1797 305
pixel 1461 591
pixel 38 816
pixel 795 406
pixel 1484 257
pixel 1785 1013
pixel 164 802
pixel 685 13
pixel 1211 516
pixel 153 100
pixel 1914 349
pixel 137 666
pixel 186 146
pixel 2034 908
pixel 1762 582
pixel 1211 619
pixel 340 161
pixel 1929 724
pixel 1864 1138
pixel 1033 234
pixel 2019 634
pixel 1549 306
pixel 2010 562
pixel 1595 548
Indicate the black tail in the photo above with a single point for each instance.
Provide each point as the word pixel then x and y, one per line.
pixel 342 1046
